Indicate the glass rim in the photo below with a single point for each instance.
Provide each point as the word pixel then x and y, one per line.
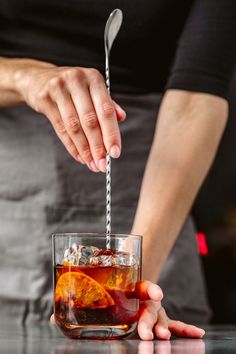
pixel 94 234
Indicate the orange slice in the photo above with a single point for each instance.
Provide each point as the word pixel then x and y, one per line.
pixel 82 291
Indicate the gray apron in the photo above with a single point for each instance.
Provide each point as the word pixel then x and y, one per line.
pixel 43 190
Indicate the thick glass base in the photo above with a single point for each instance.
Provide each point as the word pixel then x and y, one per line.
pixel 98 331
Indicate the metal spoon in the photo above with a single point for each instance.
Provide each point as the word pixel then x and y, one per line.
pixel 111 30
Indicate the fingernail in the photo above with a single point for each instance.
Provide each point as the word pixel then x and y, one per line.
pixel 148 334
pixel 168 334
pixel 157 292
pixel 115 151
pixel 102 165
pixel 93 166
pixel 202 333
pixel 122 111
pixel 164 333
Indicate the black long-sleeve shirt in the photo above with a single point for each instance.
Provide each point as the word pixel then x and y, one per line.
pixel 162 44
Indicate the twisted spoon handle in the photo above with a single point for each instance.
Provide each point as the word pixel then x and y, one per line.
pixel 108 174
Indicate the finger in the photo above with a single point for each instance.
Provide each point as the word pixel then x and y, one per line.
pixel 120 113
pixel 52 319
pixel 52 113
pixel 161 327
pixel 89 122
pixel 182 329
pixel 71 121
pixel 61 132
pixel 107 117
pixel 146 290
pixel 147 319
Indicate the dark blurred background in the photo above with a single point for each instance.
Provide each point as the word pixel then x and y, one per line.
pixel 215 216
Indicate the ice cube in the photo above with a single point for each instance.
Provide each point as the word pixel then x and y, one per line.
pixel 126 259
pixel 108 258
pixel 80 255
pixel 102 260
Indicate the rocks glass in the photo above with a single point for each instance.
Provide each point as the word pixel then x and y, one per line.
pixel 94 287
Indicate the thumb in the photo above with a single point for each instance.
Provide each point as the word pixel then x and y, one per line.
pixel 146 290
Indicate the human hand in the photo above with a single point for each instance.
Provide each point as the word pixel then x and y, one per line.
pixel 78 105
pixel 153 320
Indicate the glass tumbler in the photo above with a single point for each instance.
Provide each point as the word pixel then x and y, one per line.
pixel 94 285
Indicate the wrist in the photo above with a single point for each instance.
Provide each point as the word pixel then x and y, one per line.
pixel 22 72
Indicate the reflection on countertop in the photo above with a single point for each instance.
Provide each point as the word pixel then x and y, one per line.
pixel 35 339
pixel 132 346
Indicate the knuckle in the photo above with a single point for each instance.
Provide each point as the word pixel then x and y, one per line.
pixel 60 127
pixel 73 124
pixel 108 110
pixel 69 145
pixel 85 152
pixel 90 120
pixel 95 74
pixel 41 100
pixel 43 95
pixel 72 149
pixel 55 83
pixel 99 150
pixel 72 74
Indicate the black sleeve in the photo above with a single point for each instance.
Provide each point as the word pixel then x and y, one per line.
pixel 206 54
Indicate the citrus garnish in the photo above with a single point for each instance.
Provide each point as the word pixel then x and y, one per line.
pixel 68 264
pixel 82 291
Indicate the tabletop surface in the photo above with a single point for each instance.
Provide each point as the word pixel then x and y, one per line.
pixel 48 339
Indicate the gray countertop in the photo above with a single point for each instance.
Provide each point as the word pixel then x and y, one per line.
pixel 48 339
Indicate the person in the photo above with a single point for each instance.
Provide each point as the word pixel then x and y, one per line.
pixel 51 66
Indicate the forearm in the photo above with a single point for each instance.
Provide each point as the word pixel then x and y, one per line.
pixel 9 68
pixel 188 132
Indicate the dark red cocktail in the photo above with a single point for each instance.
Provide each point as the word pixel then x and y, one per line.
pixel 97 300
